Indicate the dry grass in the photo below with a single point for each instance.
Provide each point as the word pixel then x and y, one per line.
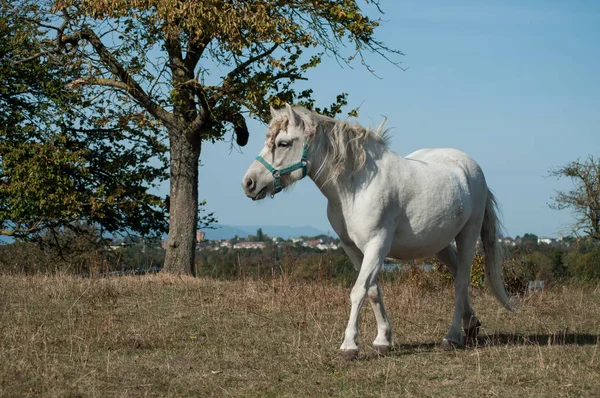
pixel 168 336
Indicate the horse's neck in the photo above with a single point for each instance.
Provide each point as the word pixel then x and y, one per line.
pixel 320 171
pixel 346 185
pixel 331 189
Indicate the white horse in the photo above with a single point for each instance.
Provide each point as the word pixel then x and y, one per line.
pixel 381 204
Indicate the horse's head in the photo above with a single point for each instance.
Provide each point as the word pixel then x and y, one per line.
pixel 282 161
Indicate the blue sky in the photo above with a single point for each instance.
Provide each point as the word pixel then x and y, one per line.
pixel 512 83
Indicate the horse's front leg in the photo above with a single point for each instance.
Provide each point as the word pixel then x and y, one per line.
pixel 373 256
pixel 383 342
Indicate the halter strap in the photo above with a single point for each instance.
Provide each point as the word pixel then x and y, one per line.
pixel 286 170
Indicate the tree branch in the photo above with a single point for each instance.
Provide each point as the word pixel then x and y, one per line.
pixel 19 230
pixel 194 52
pixel 101 82
pixel 204 107
pixel 129 84
pixel 241 67
pixel 30 58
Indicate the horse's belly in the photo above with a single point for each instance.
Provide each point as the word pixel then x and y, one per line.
pixel 414 241
pixel 433 217
pixel 408 249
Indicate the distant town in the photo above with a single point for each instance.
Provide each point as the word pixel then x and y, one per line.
pixel 261 241
pixel 325 242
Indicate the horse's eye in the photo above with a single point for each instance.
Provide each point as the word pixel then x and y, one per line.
pixel 283 144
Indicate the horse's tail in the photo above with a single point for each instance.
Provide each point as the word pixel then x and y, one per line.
pixel 490 232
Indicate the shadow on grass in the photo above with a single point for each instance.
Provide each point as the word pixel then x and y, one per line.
pixel 495 340
pixel 559 338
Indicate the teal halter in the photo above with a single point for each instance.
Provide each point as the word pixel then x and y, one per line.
pixel 286 170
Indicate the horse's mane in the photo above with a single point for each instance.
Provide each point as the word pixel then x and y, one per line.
pixel 345 141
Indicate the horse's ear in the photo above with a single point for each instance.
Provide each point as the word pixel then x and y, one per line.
pixel 292 115
pixel 273 112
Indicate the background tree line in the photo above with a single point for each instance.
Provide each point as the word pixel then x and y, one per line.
pixel 575 259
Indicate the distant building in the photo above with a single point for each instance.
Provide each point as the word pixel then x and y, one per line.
pixel 509 241
pixel 249 245
pixel 312 242
pixel 546 241
pixel 327 246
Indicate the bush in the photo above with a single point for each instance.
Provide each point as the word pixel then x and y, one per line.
pixel 585 266
pixel 29 258
pixel 559 268
pixel 518 271
pixel 477 277
pixel 70 253
pixel 290 263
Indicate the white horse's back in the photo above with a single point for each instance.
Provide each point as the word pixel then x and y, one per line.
pixel 448 158
pixel 439 191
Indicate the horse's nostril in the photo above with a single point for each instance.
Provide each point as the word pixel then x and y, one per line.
pixel 250 184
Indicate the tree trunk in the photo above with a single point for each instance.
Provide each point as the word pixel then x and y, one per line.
pixel 183 205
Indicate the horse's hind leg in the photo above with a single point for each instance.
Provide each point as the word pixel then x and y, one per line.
pixel 470 322
pixel 466 241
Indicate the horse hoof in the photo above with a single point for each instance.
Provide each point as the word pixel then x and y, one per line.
pixel 348 355
pixel 448 345
pixel 472 333
pixel 382 349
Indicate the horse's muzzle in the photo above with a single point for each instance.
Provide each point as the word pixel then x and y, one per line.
pixel 250 188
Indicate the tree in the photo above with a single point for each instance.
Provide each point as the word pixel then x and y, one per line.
pixel 559 270
pixel 66 163
pixel 198 69
pixel 260 237
pixel 584 198
pixel 529 241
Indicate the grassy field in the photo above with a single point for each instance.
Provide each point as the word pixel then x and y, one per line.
pixel 168 336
